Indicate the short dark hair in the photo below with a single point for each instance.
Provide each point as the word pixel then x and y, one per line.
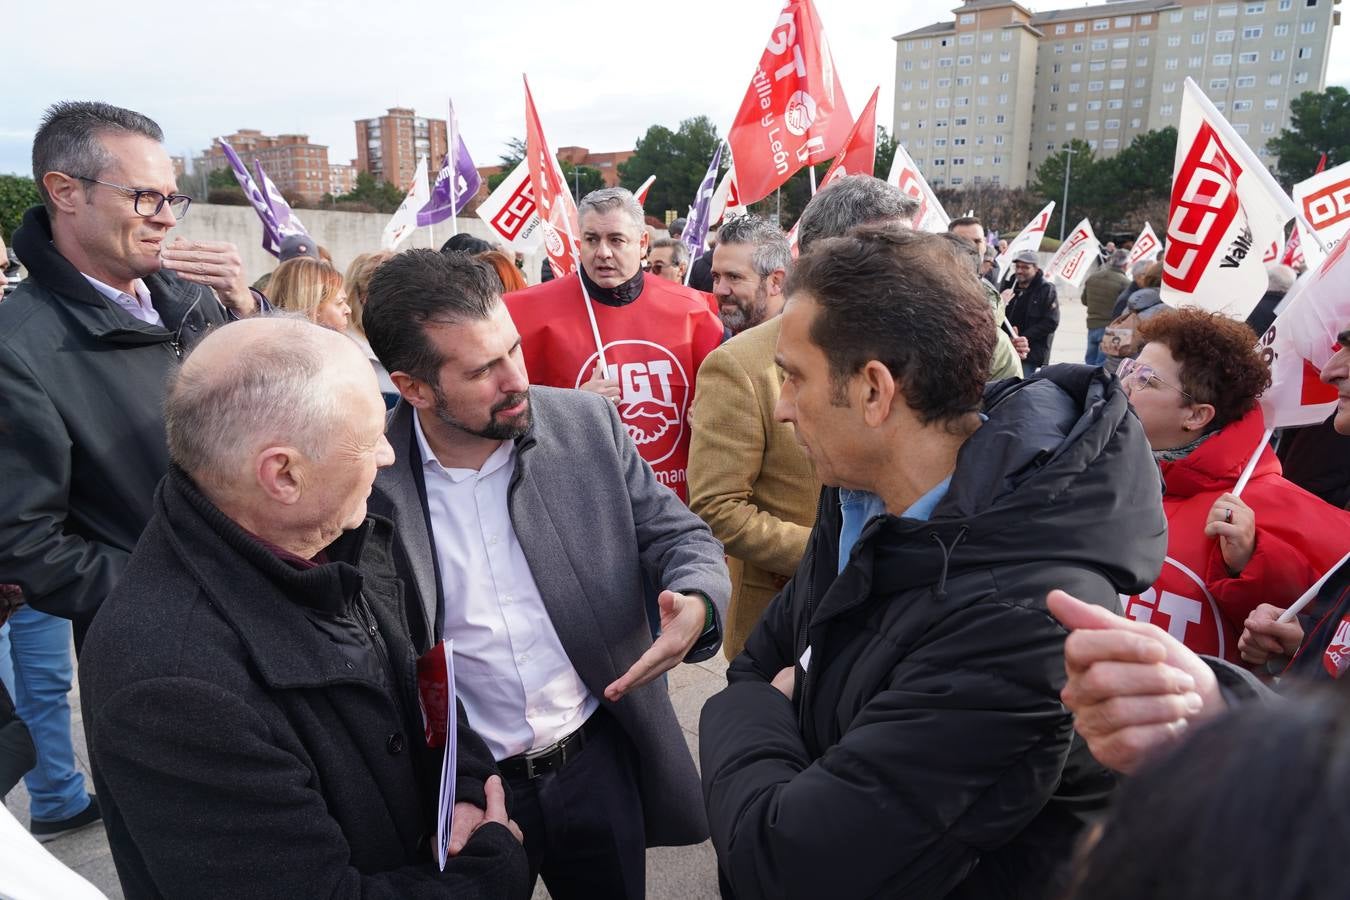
pixel 466 243
pixel 420 288
pixel 964 250
pixel 887 293
pixel 1187 825
pixel 1217 358
pixel 849 201
pixel 959 221
pixel 68 140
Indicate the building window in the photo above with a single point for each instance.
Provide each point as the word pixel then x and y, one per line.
pixel 1300 78
pixel 1099 44
pixel 962 101
pixel 1097 65
pixel 909 45
pixel 963 60
pixel 1145 20
pixel 1115 103
pixel 1079 27
pixel 1223 59
pixel 1255 9
pixel 1223 37
pixel 1201 14
pixel 998 140
pixel 984 79
pixel 1111 124
pixel 1247 59
pixel 1093 105
pixel 986 37
pixel 986 58
pixel 1069 126
pixel 1307 27
pixel 1175 17
pixel 967 18
pixel 1285 4
pixel 1049 126
pixel 1090 125
pixel 1218 84
pixel 908 65
pixel 1137 103
pixel 1110 144
pixel 1195 62
pixel 1072 107
pixel 1007 36
pixel 1074 86
pixel 1282 29
pixel 928 45
pixel 1004 56
pixel 1003 79
pixel 1060 29
pixel 1174 40
pixel 966 40
pixel 1101 24
pixel 1227 12
pixel 939 142
pixel 1134 123
pixel 939 161
pixel 944 82
pixel 1165 109
pixel 1002 99
pixel 1059 49
pixel 1275 79
pixel 941 103
pixel 980 120
pixel 1198 38
pixel 1245 81
pixel 1267 127
pixel 1077 48
pixel 1242 105
pixel 945 62
pixel 1141 62
pixel 958 160
pixel 1169 87
pixel 945 42
pixel 1055 69
pixel 1075 68
pixel 960 120
pixel 1170 65
pixel 1305 53
pixel 1094 86
pixel 1119 63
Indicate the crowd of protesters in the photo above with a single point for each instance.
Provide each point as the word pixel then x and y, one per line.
pixel 995 627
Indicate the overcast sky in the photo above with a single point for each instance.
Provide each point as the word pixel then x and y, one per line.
pixel 601 74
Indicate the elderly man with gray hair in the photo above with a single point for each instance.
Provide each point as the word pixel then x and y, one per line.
pixel 248 686
pixel 654 333
pixel 849 201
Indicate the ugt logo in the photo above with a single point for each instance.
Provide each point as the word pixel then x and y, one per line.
pixel 654 394
pixel 1181 604
pixel 1204 205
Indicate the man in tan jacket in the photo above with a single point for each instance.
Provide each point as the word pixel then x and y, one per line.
pixel 748 477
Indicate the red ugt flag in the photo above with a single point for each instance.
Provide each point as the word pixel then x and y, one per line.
pixel 794 113
pixel 859 154
pixel 557 209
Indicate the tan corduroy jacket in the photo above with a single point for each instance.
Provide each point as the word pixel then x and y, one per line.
pixel 748 477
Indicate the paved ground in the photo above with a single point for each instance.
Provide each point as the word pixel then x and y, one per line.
pixel 687 873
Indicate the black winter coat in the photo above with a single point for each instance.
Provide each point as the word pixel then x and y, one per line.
pixel 1034 312
pixel 926 752
pixel 254 729
pixel 81 413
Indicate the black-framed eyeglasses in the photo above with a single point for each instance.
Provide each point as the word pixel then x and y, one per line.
pixel 148 203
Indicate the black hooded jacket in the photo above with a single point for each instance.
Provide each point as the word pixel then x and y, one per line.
pixel 81 394
pixel 926 752
pixel 1034 312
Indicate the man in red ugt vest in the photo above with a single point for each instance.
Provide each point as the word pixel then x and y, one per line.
pixel 655 333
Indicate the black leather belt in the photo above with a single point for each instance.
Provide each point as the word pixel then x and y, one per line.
pixel 524 766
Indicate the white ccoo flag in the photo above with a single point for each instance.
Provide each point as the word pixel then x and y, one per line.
pixel 906 176
pixel 1145 248
pixel 404 221
pixel 1028 239
pixel 510 210
pixel 1226 211
pixel 1075 255
pixel 1324 201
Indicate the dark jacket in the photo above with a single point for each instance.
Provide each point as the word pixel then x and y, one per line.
pixel 700 273
pixel 1099 295
pixel 1262 315
pixel 255 729
pixel 81 391
pixel 591 519
pixel 926 752
pixel 1034 312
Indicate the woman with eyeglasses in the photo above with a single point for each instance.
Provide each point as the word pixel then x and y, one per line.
pixel 1194 387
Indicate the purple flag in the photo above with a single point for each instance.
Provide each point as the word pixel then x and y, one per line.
pixel 271 236
pixel 696 231
pixel 288 223
pixel 456 184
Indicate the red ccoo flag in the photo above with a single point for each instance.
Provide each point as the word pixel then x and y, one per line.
pixel 859 154
pixel 557 209
pixel 794 113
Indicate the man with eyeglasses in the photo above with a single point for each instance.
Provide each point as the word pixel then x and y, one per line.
pixel 87 344
pixel 668 259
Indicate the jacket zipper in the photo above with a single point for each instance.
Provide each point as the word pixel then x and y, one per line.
pixel 804 633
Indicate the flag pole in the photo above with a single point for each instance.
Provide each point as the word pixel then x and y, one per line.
pixel 1251 463
pixel 454 169
pixel 812 170
pixel 1310 593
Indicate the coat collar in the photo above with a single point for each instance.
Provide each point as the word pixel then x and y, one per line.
pixel 267 602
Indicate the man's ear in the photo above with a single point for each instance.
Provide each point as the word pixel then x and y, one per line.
pixel 66 192
pixel 280 474
pixel 417 393
pixel 774 282
pixel 877 390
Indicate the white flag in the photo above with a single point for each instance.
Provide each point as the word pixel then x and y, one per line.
pixel 906 176
pixel 1145 248
pixel 1324 201
pixel 1300 341
pixel 404 221
pixel 510 210
pixel 1226 211
pixel 1028 239
pixel 726 200
pixel 1075 255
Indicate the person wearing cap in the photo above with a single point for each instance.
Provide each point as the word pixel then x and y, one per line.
pixel 1099 296
pixel 1033 309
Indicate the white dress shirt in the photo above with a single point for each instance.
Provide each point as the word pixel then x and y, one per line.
pixel 139 306
pixel 514 677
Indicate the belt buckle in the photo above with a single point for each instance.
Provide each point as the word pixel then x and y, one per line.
pixel 530 758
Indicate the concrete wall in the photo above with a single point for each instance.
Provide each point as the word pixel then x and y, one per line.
pixel 345 234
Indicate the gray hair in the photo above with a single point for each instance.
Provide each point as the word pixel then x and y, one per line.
pixel 1139 268
pixel 771 251
pixel 273 390
pixel 852 200
pixel 679 253
pixel 1281 277
pixel 609 199
pixel 68 140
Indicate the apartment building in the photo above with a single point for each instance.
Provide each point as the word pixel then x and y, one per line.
pixel 295 164
pixel 986 97
pixel 389 146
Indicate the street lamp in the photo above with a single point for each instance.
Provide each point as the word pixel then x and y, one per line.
pixel 1064 208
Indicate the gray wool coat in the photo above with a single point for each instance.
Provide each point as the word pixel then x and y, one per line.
pixel 591 518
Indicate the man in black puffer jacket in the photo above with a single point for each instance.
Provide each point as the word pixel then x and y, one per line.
pixel 894 726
